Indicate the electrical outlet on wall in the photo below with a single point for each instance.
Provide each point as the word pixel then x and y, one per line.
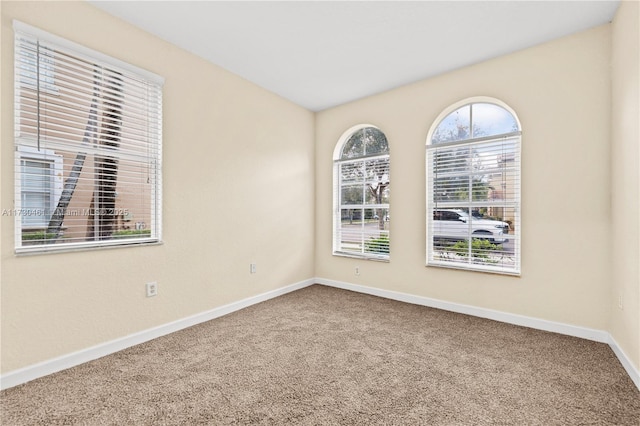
pixel 152 289
pixel 357 271
pixel 253 268
pixel 620 302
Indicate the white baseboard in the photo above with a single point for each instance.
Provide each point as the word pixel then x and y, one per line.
pixel 632 371
pixel 23 375
pixel 536 323
pixel 45 368
pixel 540 324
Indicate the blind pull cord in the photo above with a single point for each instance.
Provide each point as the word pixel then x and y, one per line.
pixel 38 90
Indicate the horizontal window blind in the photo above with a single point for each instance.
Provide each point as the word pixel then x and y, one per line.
pixel 88 131
pixel 473 192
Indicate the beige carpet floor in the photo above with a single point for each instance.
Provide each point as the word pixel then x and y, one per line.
pixel 324 356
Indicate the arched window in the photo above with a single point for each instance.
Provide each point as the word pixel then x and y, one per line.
pixel 361 194
pixel 473 188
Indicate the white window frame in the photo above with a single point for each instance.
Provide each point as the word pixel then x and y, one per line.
pixel 338 249
pixel 28 145
pixel 513 203
pixel 27 153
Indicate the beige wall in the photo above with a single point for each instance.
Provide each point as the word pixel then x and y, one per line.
pixel 625 195
pixel 238 188
pixel 561 93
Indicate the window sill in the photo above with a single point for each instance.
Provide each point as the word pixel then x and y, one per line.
pixel 384 259
pixel 475 268
pixel 54 249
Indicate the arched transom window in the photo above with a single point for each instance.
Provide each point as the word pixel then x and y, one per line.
pixel 473 188
pixel 361 194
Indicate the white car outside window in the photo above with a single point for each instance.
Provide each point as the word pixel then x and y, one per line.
pixel 457 224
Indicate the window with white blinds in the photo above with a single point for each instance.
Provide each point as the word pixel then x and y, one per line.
pixel 88 138
pixel 361 194
pixel 473 188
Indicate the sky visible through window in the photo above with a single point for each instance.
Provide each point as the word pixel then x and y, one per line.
pixel 474 121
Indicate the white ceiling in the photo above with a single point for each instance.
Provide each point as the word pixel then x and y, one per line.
pixel 324 53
